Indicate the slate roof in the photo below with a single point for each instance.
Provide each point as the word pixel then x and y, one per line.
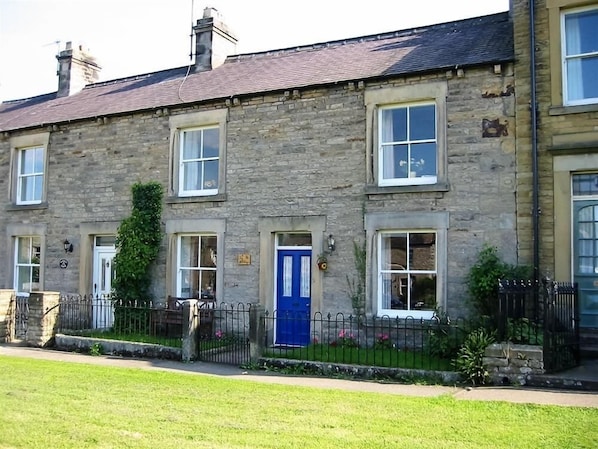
pixel 469 42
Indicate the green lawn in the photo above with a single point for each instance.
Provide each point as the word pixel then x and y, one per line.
pixel 47 404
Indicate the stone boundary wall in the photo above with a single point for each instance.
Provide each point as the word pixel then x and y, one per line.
pixel 5 316
pixel 510 363
pixel 114 347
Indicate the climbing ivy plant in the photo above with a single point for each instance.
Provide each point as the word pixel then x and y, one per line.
pixel 137 243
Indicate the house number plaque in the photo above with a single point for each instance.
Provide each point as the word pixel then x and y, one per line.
pixel 244 259
pixel 63 263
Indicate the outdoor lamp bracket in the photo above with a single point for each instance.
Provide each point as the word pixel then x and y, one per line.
pixel 331 243
pixel 68 246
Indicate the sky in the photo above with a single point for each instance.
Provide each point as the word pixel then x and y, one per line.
pixel 131 37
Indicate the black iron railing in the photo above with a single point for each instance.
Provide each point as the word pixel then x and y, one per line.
pixel 544 313
pixel 103 317
pixel 413 343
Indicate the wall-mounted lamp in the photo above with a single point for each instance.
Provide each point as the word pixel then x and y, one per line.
pixel 331 243
pixel 68 247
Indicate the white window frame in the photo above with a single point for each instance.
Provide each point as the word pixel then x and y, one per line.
pixel 379 223
pixel 433 91
pixel 410 162
pixel 201 160
pixel 567 59
pixel 23 176
pixel 29 264
pixel 181 123
pixel 408 271
pixel 180 269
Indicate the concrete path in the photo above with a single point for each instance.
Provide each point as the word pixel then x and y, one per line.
pixel 509 394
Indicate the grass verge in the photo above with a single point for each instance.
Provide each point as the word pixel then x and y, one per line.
pixel 46 404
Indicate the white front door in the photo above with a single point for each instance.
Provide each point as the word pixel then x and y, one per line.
pixel 103 274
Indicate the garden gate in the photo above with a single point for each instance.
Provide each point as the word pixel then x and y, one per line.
pixel 544 313
pixel 226 338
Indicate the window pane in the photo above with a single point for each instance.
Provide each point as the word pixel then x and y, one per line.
pixel 186 281
pixel 394 160
pixel 287 275
pixel 422 122
pixel 105 240
pixel 191 144
pixel 24 250
pixel 423 292
pixel 394 252
pixel 394 125
pixel 210 175
pixel 192 173
pixel 208 252
pixel 395 291
pixel 581 35
pixel 210 142
pixel 305 277
pixel 189 251
pixel 422 251
pixel 423 159
pixel 585 184
pixel 581 78
pixel 208 284
pixel 294 239
pixel 27 161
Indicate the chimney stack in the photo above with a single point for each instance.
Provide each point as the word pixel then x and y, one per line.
pixel 76 69
pixel 214 41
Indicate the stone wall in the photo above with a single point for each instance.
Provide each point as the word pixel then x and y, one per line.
pixel 567 138
pixel 509 363
pixel 300 155
pixel 5 316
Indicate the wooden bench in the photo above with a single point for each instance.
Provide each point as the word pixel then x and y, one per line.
pixel 169 320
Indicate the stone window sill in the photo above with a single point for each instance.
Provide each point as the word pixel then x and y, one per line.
pixel 196 199
pixel 14 207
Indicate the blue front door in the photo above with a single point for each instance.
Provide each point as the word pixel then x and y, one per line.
pixel 585 257
pixel 293 297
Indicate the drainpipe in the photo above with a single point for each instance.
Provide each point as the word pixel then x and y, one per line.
pixel 534 124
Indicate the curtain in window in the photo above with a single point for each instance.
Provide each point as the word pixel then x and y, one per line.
pixel 388 161
pixel 573 66
pixel 191 152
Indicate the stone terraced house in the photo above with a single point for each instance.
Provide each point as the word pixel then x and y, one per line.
pixel 402 143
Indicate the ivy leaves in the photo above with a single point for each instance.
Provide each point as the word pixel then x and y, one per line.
pixel 138 243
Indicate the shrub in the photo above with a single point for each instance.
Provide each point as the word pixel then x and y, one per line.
pixel 138 242
pixel 482 281
pixel 470 357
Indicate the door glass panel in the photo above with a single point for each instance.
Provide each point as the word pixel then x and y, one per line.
pixel 305 276
pixel 287 276
pixel 585 184
pixel 291 239
pixel 106 240
pixel 587 244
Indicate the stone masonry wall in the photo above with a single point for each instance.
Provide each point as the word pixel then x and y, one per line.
pixel 286 156
pixel 513 363
pixel 567 125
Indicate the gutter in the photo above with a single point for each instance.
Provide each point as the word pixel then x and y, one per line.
pixel 534 129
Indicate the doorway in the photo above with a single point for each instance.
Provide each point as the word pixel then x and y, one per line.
pixel 103 275
pixel 293 289
pixel 585 259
